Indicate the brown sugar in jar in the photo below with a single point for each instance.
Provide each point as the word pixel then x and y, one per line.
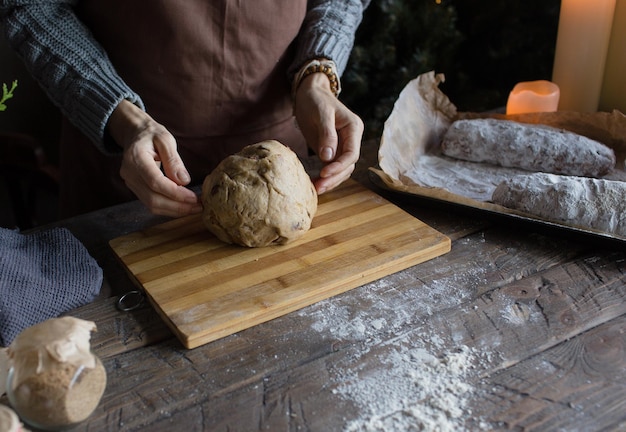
pixel 55 381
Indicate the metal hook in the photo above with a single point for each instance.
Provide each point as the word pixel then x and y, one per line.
pixel 130 301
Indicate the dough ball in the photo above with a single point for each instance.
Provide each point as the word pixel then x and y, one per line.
pixel 258 197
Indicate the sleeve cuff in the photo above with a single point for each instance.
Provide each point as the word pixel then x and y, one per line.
pixel 326 46
pixel 94 109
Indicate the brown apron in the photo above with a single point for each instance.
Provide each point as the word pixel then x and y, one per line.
pixel 213 72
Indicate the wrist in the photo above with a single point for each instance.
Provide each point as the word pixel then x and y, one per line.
pixel 313 81
pixel 124 122
pixel 317 72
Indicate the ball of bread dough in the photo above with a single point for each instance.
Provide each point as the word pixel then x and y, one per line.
pixel 259 197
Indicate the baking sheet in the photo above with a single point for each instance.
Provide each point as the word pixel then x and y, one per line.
pixel 411 162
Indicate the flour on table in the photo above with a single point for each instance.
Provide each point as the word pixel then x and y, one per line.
pixel 377 318
pixel 413 390
pixel 412 385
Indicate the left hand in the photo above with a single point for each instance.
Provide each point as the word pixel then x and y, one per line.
pixel 332 131
pixel 147 146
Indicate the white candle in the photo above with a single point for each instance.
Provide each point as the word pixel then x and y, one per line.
pixel 581 47
pixel 533 96
pixel 613 94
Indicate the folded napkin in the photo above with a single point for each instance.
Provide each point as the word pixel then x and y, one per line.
pixel 42 275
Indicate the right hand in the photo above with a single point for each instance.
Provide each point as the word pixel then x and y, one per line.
pixel 330 129
pixel 148 145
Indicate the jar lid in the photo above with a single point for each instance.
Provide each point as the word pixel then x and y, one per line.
pixel 58 340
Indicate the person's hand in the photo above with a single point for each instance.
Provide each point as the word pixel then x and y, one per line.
pixel 332 131
pixel 148 145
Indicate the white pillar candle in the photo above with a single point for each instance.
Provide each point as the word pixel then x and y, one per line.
pixel 613 94
pixel 533 96
pixel 581 47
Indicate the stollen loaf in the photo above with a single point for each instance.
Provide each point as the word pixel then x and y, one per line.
pixel 583 202
pixel 537 148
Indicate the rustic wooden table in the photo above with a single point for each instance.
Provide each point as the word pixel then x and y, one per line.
pixel 519 327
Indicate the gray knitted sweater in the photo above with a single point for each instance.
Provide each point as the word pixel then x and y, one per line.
pixel 75 72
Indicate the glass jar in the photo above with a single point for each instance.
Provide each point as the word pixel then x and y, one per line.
pixel 55 381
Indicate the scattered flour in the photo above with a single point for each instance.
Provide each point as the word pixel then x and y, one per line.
pixel 380 310
pixel 412 385
pixel 413 391
pixel 518 313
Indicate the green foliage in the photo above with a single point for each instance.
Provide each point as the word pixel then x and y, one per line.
pixel 483 47
pixel 7 94
pixel 397 40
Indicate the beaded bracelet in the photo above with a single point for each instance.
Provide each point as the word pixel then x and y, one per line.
pixel 327 67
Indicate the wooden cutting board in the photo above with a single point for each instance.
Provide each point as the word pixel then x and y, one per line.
pixel 205 289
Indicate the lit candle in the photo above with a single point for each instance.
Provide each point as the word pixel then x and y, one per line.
pixel 581 47
pixel 613 94
pixel 533 96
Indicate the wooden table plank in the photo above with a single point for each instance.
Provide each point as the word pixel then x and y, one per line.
pixel 537 316
pixel 464 272
pixel 124 331
pixel 445 299
pixel 118 331
pixel 555 392
pixel 579 384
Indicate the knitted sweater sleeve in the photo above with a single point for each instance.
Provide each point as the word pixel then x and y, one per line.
pixel 328 32
pixel 63 57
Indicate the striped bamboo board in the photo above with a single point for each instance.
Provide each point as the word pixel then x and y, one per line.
pixel 205 289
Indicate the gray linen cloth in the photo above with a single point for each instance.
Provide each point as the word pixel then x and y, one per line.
pixel 42 275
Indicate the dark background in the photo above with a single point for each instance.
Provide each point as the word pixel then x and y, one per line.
pixel 483 47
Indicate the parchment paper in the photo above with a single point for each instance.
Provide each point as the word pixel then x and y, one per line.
pixel 410 158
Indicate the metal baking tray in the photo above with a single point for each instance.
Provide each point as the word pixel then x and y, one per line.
pixel 382 180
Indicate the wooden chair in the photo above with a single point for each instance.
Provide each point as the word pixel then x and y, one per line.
pixel 29 178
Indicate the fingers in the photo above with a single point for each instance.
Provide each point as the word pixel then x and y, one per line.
pixel 141 170
pixel 148 147
pixel 157 192
pixel 331 130
pixel 327 152
pixel 325 184
pixel 345 147
pixel 336 172
pixel 165 206
pixel 173 165
pixel 349 134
